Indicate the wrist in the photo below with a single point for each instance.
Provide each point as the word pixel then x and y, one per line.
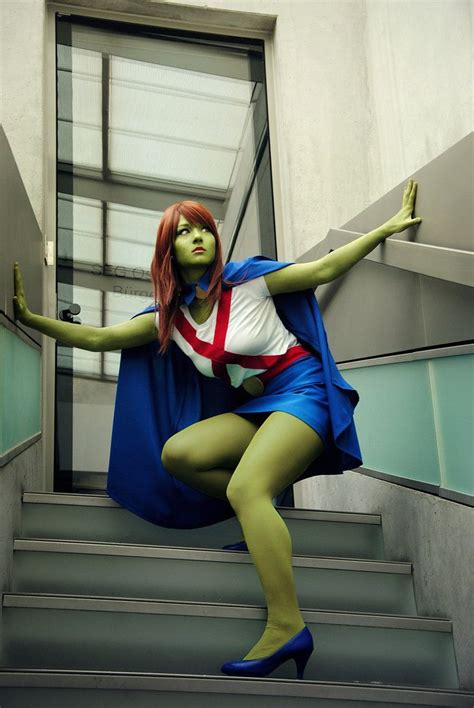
pixel 384 231
pixel 388 228
pixel 28 318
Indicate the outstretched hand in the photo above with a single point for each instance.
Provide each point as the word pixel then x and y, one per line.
pixel 22 312
pixel 403 218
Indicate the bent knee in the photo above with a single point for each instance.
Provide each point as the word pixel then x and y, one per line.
pixel 174 455
pixel 240 494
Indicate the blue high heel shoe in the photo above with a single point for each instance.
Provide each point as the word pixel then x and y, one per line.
pixel 300 647
pixel 240 546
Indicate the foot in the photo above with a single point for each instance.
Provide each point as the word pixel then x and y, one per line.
pixel 272 639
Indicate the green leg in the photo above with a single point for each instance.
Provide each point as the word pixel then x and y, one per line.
pixel 279 453
pixel 265 461
pixel 205 454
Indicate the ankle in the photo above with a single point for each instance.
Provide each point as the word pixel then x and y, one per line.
pixel 285 625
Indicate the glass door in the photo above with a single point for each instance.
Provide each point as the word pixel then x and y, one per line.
pixel 145 117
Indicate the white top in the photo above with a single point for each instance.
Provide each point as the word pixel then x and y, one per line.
pixel 243 335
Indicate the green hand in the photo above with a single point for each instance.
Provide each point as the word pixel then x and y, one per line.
pixel 403 218
pixel 22 312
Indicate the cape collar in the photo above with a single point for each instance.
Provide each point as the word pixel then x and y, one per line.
pixel 188 291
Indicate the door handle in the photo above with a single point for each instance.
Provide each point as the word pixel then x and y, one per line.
pixel 67 314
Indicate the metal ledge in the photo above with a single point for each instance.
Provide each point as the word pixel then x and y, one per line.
pixel 426 487
pixel 194 683
pixel 419 355
pixel 198 554
pixel 451 264
pixel 96 603
pixel 286 512
pixel 17 449
pixel 175 16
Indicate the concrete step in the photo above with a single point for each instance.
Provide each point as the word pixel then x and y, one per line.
pixel 96 689
pixel 90 517
pixel 190 574
pixel 101 634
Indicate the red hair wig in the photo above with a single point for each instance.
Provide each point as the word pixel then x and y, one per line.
pixel 165 275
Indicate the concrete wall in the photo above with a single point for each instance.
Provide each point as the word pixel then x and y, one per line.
pixel 22 118
pixel 432 533
pixel 22 114
pixel 367 92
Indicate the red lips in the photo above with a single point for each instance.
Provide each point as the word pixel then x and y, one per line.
pixel 199 248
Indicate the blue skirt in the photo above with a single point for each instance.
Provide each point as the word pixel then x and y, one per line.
pixel 299 390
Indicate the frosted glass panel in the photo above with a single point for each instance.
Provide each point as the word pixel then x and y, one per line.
pixel 416 420
pixel 394 420
pixel 175 124
pixel 154 77
pixel 20 390
pixel 179 113
pixel 138 155
pixel 453 395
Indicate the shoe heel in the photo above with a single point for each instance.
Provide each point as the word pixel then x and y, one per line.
pixel 301 660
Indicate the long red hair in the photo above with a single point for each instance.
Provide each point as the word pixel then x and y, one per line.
pixel 165 275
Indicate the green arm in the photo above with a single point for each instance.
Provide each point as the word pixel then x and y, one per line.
pixel 137 331
pixel 343 258
pixel 73 335
pixel 300 276
pixel 309 275
pixel 133 333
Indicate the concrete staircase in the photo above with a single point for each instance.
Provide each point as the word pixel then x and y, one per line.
pixel 107 609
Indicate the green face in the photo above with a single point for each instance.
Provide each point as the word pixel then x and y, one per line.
pixel 193 264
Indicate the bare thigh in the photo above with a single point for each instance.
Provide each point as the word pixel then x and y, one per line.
pixel 216 442
pixel 278 454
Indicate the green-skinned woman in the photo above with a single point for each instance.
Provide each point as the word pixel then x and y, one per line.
pixel 247 456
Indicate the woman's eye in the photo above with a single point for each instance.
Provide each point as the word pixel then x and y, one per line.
pixel 185 228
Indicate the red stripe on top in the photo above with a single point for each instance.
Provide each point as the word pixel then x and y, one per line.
pixel 219 356
pixel 285 360
pixel 222 324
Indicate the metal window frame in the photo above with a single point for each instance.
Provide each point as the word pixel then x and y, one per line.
pixel 223 22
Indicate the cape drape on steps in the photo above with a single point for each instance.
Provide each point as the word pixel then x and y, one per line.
pixel 158 395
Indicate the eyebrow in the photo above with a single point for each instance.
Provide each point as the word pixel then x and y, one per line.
pixel 181 226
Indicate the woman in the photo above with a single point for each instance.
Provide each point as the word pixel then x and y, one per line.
pixel 237 326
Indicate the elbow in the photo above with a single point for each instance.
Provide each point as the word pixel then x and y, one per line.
pixel 325 273
pixel 94 341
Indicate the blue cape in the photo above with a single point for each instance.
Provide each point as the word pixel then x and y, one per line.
pixel 158 395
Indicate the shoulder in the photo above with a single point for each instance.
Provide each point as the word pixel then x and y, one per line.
pixel 254 287
pixel 250 268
